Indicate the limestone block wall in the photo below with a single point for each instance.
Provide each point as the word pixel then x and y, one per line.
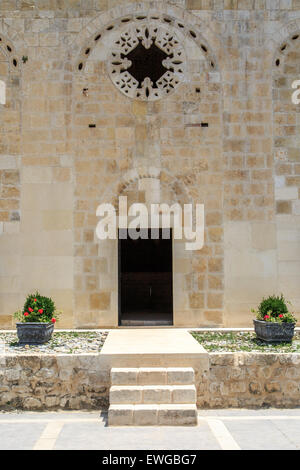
pixel 286 69
pixel 53 382
pixel 251 380
pixel 10 187
pixel 77 382
pixel 147 142
pixel 70 139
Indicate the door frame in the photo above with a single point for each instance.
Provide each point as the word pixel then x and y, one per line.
pixel 120 283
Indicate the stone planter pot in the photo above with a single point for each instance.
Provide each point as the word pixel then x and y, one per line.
pixel 34 333
pixel 274 332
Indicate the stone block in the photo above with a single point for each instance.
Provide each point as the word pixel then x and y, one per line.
pixel 120 415
pixel 180 375
pixel 12 375
pixel 124 394
pixel 263 236
pixel 57 220
pixel 215 265
pixel 11 177
pixel 286 193
pixel 177 415
pixel 154 394
pixel 289 251
pixel 37 175
pixel 215 282
pixel 196 300
pixel 124 376
pixel 145 415
pixel 152 376
pixel 6 321
pixel 215 300
pixel 213 317
pixel 100 301
pixel 32 403
pixel 184 394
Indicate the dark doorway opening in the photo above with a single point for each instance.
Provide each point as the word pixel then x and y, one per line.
pixel 145 281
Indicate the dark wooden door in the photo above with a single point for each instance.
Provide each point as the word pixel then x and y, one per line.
pixel 145 276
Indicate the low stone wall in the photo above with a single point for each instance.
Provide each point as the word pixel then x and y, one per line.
pixel 70 382
pixel 80 382
pixel 251 380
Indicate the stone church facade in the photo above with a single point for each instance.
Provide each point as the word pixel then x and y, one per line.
pixel 80 126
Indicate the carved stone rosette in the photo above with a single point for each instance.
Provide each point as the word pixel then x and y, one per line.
pixel 147 62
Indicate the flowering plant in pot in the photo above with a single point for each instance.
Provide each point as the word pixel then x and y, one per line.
pixel 274 322
pixel 36 321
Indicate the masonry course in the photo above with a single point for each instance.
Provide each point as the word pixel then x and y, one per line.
pixel 70 140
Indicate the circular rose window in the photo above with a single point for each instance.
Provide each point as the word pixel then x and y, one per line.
pixel 147 62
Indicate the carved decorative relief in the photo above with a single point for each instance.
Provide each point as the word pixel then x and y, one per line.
pixel 147 62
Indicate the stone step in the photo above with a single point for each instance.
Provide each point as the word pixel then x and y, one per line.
pixel 153 376
pixel 153 415
pixel 152 394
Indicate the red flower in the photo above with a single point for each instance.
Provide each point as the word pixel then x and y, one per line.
pixel 41 310
pixel 266 317
pixel 35 300
pixel 53 320
pixel 26 314
pixel 281 316
pixel 30 309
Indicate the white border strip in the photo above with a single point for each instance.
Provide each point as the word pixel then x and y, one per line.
pixel 49 436
pixel 254 418
pixel 222 434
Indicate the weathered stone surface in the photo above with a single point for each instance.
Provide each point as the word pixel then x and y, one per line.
pixel 155 394
pixel 251 380
pixel 233 380
pixel 120 415
pixel 184 394
pixel 177 415
pixel 125 394
pixel 152 376
pixel 145 415
pixel 52 382
pixel 180 375
pixel 124 376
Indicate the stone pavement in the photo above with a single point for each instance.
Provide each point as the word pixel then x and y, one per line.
pixel 161 347
pixel 216 430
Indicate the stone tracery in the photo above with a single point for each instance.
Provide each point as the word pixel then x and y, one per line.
pixel 147 62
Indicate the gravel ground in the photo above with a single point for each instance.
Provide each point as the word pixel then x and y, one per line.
pixel 70 342
pixel 243 341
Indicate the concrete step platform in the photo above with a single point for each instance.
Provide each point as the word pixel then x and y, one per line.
pixel 153 415
pixel 152 394
pixel 148 348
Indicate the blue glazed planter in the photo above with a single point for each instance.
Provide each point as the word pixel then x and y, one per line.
pixel 274 332
pixel 34 333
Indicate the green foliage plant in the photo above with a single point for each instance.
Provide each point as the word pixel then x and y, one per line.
pixel 37 309
pixel 275 309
